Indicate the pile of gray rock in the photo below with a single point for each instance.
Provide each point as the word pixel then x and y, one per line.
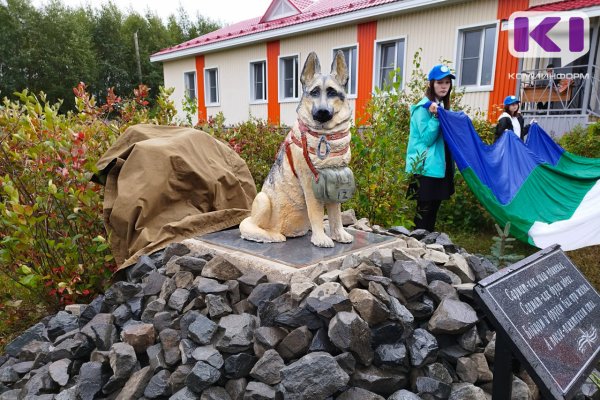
pixel 396 324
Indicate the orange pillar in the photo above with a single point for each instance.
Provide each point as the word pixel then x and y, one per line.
pixel 200 88
pixel 506 64
pixel 366 34
pixel 272 83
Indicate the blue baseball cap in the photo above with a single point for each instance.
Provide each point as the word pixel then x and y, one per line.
pixel 511 100
pixel 438 72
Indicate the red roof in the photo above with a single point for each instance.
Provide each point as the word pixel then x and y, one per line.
pixel 310 11
pixel 566 5
pixel 301 4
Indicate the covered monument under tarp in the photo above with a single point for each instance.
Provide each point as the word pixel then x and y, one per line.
pixel 164 184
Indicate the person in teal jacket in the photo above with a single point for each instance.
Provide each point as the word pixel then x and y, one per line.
pixel 428 157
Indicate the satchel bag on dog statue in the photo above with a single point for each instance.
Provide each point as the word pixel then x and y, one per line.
pixel 332 185
pixel 311 170
pixel 335 185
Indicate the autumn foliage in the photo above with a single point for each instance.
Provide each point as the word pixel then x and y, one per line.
pixel 52 238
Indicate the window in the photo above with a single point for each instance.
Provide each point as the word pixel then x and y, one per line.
pixel 189 79
pixel 288 78
pixel 258 81
pixel 390 56
pixel 476 58
pixel 211 83
pixel 350 56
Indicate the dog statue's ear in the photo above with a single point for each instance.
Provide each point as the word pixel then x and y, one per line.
pixel 339 69
pixel 311 68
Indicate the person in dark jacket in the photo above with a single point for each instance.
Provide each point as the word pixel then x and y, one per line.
pixel 511 119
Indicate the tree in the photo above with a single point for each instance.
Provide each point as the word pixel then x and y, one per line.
pixel 181 28
pixel 111 50
pixel 61 52
pixel 15 17
pixel 48 50
pixel 53 48
pixel 152 36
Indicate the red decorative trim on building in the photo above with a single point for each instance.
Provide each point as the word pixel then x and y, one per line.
pixel 365 36
pixel 273 111
pixel 200 87
pixel 505 62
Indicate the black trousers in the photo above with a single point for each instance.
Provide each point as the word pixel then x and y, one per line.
pixel 427 214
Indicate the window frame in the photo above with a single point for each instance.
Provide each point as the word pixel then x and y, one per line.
pixel 185 83
pixel 280 81
pixel 207 99
pixel 377 59
pixel 478 87
pixel 350 69
pixel 253 99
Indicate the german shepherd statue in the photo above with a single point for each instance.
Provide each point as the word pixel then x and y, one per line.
pixel 318 141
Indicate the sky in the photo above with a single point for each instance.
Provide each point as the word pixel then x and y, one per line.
pixel 224 11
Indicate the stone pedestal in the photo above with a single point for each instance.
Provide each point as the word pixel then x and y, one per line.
pixel 279 261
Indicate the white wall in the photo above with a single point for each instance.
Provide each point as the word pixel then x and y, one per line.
pixel 322 43
pixel 435 31
pixel 234 82
pixel 533 3
pixel 173 75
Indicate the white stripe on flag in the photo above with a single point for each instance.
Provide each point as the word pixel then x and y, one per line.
pixel 581 230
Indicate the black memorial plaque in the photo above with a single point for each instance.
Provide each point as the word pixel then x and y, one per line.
pixel 551 314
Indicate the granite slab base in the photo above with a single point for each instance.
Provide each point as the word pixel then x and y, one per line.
pixel 279 261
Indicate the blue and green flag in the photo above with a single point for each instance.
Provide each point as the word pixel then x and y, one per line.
pixel 548 195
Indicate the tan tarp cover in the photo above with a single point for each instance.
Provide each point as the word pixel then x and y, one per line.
pixel 165 184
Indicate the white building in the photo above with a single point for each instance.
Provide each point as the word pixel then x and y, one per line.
pixel 252 67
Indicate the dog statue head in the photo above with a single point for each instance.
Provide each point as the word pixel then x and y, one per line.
pixel 323 105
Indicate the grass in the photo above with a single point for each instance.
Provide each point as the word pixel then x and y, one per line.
pixel 18 310
pixel 587 259
pixel 588 262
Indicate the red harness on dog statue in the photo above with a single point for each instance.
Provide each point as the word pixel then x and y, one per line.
pixel 303 144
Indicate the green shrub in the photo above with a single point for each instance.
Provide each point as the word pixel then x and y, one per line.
pixel 51 233
pixel 51 230
pixel 463 211
pixel 499 251
pixel 379 151
pixel 583 141
pixel 255 140
pixel 378 159
pixel 485 129
pixel 190 109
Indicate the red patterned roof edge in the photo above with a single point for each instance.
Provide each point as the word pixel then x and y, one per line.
pixel 317 10
pixel 302 4
pixel 566 5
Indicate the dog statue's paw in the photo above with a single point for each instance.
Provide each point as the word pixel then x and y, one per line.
pixel 342 236
pixel 274 237
pixel 321 240
pixel 278 237
pixel 264 236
